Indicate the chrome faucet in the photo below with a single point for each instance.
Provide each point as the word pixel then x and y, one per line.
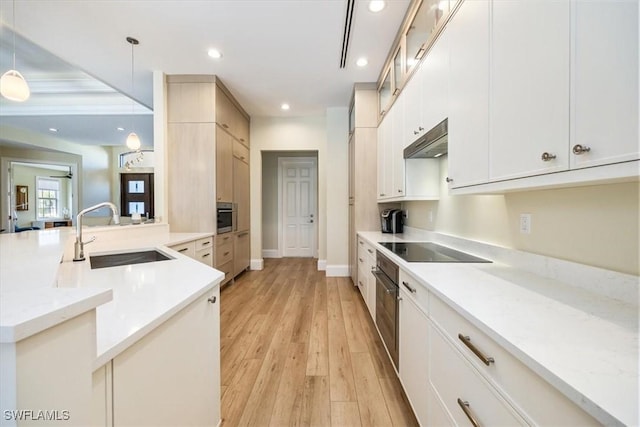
pixel 79 245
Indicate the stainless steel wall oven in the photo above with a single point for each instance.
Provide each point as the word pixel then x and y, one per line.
pixel 226 221
pixel 386 275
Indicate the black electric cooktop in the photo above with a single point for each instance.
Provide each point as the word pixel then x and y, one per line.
pixel 428 252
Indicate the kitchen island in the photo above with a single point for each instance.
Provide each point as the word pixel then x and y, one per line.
pixel 63 325
pixel 563 337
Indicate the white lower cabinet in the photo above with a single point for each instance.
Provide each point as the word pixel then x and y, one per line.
pixel 366 280
pixel 172 375
pixel 199 249
pixel 465 394
pixel 414 354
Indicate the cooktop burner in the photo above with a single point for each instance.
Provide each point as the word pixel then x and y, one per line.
pixel 428 252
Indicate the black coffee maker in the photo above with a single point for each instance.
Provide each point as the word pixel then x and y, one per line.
pixel 391 221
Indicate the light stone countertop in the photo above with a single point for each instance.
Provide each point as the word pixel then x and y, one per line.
pixel 583 343
pixel 39 291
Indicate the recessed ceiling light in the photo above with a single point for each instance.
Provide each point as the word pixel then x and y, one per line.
pixel 285 106
pixel 376 5
pixel 120 129
pixel 214 53
pixel 53 130
pixel 362 62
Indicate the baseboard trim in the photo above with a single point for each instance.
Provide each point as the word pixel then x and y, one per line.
pixel 337 271
pixel 257 264
pixel 322 264
pixel 271 253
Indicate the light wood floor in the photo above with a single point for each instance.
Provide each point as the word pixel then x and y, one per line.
pixel 301 349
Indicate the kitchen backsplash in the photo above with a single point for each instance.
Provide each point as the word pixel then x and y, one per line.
pixel 595 225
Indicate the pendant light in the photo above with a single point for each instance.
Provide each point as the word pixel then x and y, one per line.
pixel 12 85
pixel 133 141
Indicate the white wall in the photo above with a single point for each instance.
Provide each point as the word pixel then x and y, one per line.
pixel 286 134
pixel 595 225
pixel 338 191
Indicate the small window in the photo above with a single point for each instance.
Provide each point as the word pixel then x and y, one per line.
pixel 47 198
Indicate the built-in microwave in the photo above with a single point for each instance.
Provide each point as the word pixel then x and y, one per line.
pixel 226 217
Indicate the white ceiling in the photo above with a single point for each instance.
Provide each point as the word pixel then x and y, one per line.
pixel 274 51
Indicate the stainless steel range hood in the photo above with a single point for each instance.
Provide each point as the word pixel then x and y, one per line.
pixel 431 145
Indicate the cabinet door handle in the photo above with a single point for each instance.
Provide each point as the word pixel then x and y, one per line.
pixel 449 179
pixel 580 149
pixel 465 408
pixel 226 253
pixel 226 126
pixel 467 341
pixel 546 157
pixel 406 285
pixel 183 250
pixel 415 132
pixel 212 299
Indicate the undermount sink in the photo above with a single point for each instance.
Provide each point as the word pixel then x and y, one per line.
pixel 127 258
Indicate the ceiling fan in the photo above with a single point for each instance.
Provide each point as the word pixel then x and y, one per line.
pixel 69 175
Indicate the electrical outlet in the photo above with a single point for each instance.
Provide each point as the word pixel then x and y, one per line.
pixel 525 223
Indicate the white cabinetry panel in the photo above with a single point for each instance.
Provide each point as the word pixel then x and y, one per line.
pixel 605 82
pixel 469 94
pixel 435 83
pixel 529 88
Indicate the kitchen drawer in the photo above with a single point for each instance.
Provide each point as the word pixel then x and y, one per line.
pixel 188 248
pixel 241 152
pixel 532 395
pixel 224 254
pixel 456 383
pixel 223 239
pixel 205 256
pixel 204 243
pixel 227 269
pixel 416 291
pixel 366 249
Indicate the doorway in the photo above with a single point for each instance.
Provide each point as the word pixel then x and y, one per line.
pixel 298 195
pixel 136 194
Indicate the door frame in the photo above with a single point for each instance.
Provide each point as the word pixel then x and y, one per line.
pixel 281 161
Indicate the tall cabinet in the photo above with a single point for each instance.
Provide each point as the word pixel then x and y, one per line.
pixel 363 208
pixel 208 162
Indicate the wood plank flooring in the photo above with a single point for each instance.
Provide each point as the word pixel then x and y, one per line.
pixel 298 348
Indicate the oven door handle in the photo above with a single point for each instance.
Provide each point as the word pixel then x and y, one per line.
pixel 389 286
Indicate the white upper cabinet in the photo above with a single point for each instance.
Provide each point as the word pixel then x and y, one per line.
pixel 605 83
pixel 529 88
pixel 435 83
pixel 397 148
pixel 412 98
pixel 468 34
pixel 385 170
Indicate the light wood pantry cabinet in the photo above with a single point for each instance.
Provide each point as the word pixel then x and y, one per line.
pixel 241 252
pixel 224 166
pixel 177 365
pixel 191 167
pixel 208 162
pixel 363 209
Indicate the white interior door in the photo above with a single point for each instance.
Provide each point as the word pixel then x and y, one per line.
pixel 298 209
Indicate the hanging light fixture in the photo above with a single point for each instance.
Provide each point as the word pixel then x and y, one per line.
pixel 12 85
pixel 133 141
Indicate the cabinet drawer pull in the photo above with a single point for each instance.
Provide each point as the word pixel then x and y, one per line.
pixel 406 285
pixel 243 234
pixel 361 242
pixel 206 255
pixel 183 250
pixel 360 259
pixel 370 251
pixel 212 300
pixel 467 341
pixel 226 126
pixel 546 157
pixel 226 253
pixel 206 243
pixel 465 408
pixel 242 140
